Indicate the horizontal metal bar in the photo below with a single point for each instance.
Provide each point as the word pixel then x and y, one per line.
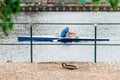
pixel 14 44
pixel 108 23
pixel 67 44
pixel 57 23
pixel 71 23
pixel 64 23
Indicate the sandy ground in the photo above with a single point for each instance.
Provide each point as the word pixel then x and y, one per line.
pixel 55 71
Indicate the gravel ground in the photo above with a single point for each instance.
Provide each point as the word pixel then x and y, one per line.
pixel 55 71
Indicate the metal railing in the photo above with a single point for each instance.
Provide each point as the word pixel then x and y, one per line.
pixel 92 24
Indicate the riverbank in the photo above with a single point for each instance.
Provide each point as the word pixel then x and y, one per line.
pixel 55 71
pixel 68 8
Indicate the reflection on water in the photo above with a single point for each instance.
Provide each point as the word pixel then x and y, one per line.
pixel 62 52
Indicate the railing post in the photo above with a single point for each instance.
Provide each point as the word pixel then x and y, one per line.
pixel 95 42
pixel 31 48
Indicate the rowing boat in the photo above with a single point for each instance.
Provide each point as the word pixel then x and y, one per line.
pixel 58 39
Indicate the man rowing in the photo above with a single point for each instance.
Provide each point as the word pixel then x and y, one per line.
pixel 66 33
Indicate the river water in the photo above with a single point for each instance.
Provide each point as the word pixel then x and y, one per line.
pixel 81 51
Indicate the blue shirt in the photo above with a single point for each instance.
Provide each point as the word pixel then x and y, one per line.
pixel 64 32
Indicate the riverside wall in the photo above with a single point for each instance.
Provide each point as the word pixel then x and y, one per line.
pixel 67 8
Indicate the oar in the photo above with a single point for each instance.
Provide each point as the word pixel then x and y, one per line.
pixel 56 40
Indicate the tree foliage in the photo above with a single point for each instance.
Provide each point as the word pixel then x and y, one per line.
pixel 113 3
pixel 7 8
pixel 95 2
